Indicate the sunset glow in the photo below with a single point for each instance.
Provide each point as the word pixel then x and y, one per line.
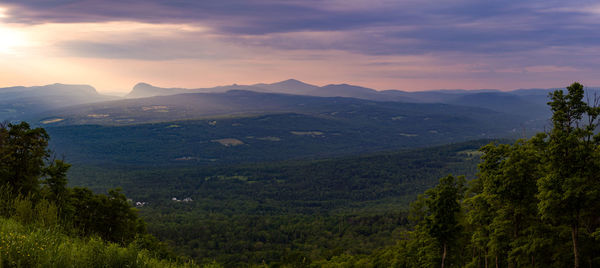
pixel 10 40
pixel 375 44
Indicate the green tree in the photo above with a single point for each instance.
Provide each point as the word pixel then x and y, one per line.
pixel 109 216
pixel 479 217
pixel 420 249
pixel 509 175
pixel 569 190
pixel 443 204
pixel 56 182
pixel 23 152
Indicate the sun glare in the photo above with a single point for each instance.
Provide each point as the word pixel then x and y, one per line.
pixel 10 40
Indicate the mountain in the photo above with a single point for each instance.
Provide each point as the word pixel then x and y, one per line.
pixel 245 126
pixel 258 125
pixel 48 90
pixel 345 90
pixel 237 103
pixel 505 102
pixel 24 103
pixel 530 103
pixel 143 90
pixel 290 86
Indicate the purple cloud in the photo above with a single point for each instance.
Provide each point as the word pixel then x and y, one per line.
pixel 370 27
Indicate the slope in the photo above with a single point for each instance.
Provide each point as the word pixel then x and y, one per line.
pixel 334 129
pixel 238 102
pixel 529 103
pixel 286 212
pixel 24 103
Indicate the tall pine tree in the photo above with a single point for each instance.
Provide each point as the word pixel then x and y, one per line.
pixel 571 184
pixel 443 203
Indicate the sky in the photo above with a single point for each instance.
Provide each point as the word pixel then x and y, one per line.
pixel 383 44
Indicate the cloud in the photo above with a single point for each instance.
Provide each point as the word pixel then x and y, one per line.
pixel 370 27
pixel 149 49
pixel 361 26
pixel 550 69
pixel 460 39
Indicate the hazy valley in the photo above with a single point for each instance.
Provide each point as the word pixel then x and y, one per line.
pixel 265 122
pixel 234 174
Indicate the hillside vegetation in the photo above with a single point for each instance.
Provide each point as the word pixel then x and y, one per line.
pixel 210 190
pixel 37 245
pixel 274 137
pixel 286 212
pixel 44 223
pixel 27 103
pixel 535 203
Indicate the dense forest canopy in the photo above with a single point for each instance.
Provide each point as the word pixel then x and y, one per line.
pixel 535 203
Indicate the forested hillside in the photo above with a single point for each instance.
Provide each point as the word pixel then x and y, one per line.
pixel 27 103
pixel 273 137
pixel 535 203
pixel 285 212
pixel 44 223
pixel 529 203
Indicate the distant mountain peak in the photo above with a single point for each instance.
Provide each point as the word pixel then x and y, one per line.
pixel 348 87
pixel 291 82
pixel 142 90
pixel 67 85
pixel 141 85
pixel 72 88
pixel 289 86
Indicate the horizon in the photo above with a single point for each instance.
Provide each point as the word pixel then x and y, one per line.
pixel 124 92
pixel 407 45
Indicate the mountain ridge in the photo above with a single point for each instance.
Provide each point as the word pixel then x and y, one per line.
pixel 21 103
pixel 511 102
pixel 233 102
pixel 282 87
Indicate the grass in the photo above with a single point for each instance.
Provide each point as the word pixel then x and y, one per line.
pixel 32 246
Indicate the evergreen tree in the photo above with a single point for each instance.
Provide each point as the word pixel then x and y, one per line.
pixel 509 175
pixel 569 190
pixel 444 206
pixel 479 218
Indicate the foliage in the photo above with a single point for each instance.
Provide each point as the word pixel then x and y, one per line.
pixel 109 216
pixel 30 246
pixel 275 137
pixel 34 193
pixel 503 201
pixel 55 182
pixel 570 188
pixel 533 204
pixel 287 212
pixel 23 152
pixel 443 209
pixel 374 182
